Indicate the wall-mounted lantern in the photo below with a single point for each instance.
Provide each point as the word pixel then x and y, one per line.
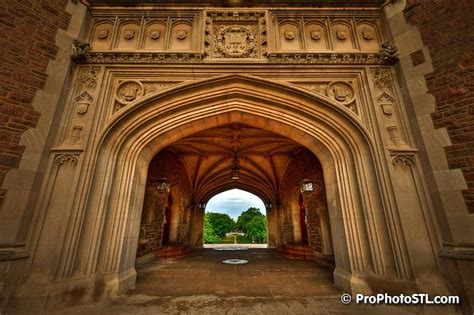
pixel 306 186
pixel 163 185
pixel 268 205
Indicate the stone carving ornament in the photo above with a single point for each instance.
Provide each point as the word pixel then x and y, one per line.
pixel 388 52
pixel 129 91
pixel 181 34
pixel 236 41
pixel 403 159
pixel 102 34
pixel 289 35
pixel 341 92
pixel 155 35
pixel 368 34
pixel 129 34
pixel 341 34
pixel 315 35
pixel 79 51
pixel 66 158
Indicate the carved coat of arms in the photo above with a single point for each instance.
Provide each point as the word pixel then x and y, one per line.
pixel 236 41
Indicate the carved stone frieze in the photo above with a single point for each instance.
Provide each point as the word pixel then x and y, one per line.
pixel 236 41
pixel 383 83
pixel 403 159
pixel 385 98
pixel 83 97
pixel 318 88
pixel 66 158
pixel 339 91
pixel 87 79
pixel 85 88
pixel 326 58
pixel 154 87
pixel 235 34
pixel 384 94
pixel 129 91
pixel 132 90
pixel 142 57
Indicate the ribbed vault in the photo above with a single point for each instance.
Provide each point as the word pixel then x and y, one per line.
pixel 210 155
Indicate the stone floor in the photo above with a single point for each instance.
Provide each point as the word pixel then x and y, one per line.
pixel 202 284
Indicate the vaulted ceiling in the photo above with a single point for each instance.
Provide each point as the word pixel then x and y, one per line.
pixel 261 156
pixel 239 3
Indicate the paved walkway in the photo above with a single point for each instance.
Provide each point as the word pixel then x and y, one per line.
pixel 235 245
pixel 202 284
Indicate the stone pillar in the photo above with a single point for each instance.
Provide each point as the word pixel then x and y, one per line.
pixel 197 226
pixel 272 227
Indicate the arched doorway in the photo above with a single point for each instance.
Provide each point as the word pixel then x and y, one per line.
pixel 167 222
pixel 364 222
pixel 302 215
pixel 329 131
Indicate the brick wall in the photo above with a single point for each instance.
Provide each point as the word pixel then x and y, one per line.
pixel 447 30
pixel 166 164
pixel 304 166
pixel 28 30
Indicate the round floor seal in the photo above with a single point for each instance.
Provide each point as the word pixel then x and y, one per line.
pixel 232 248
pixel 235 261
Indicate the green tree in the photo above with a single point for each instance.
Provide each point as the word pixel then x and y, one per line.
pixel 222 223
pixel 245 217
pixel 210 236
pixel 257 229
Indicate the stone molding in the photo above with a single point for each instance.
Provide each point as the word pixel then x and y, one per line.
pixel 265 35
pixel 281 58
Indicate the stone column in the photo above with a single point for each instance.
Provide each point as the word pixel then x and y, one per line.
pixel 272 226
pixel 197 226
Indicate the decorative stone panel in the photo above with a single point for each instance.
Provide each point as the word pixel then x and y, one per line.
pixel 157 31
pixel 129 91
pixel 235 34
pixel 342 92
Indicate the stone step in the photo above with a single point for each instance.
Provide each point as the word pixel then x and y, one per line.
pixel 172 251
pixel 297 251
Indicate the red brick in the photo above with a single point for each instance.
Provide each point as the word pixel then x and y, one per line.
pixel 28 30
pixel 447 30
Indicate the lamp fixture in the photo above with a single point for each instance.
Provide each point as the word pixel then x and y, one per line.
pixel 164 185
pixel 306 186
pixel 235 169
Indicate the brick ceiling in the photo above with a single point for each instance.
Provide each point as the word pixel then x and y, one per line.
pixel 241 3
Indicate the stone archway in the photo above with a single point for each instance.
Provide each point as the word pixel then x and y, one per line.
pixel 100 253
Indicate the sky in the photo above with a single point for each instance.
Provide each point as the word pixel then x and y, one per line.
pixel 234 202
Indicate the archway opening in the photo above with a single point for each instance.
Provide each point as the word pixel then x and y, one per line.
pixel 235 216
pixel 240 173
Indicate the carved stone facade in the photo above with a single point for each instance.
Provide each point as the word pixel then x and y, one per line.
pixel 150 80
